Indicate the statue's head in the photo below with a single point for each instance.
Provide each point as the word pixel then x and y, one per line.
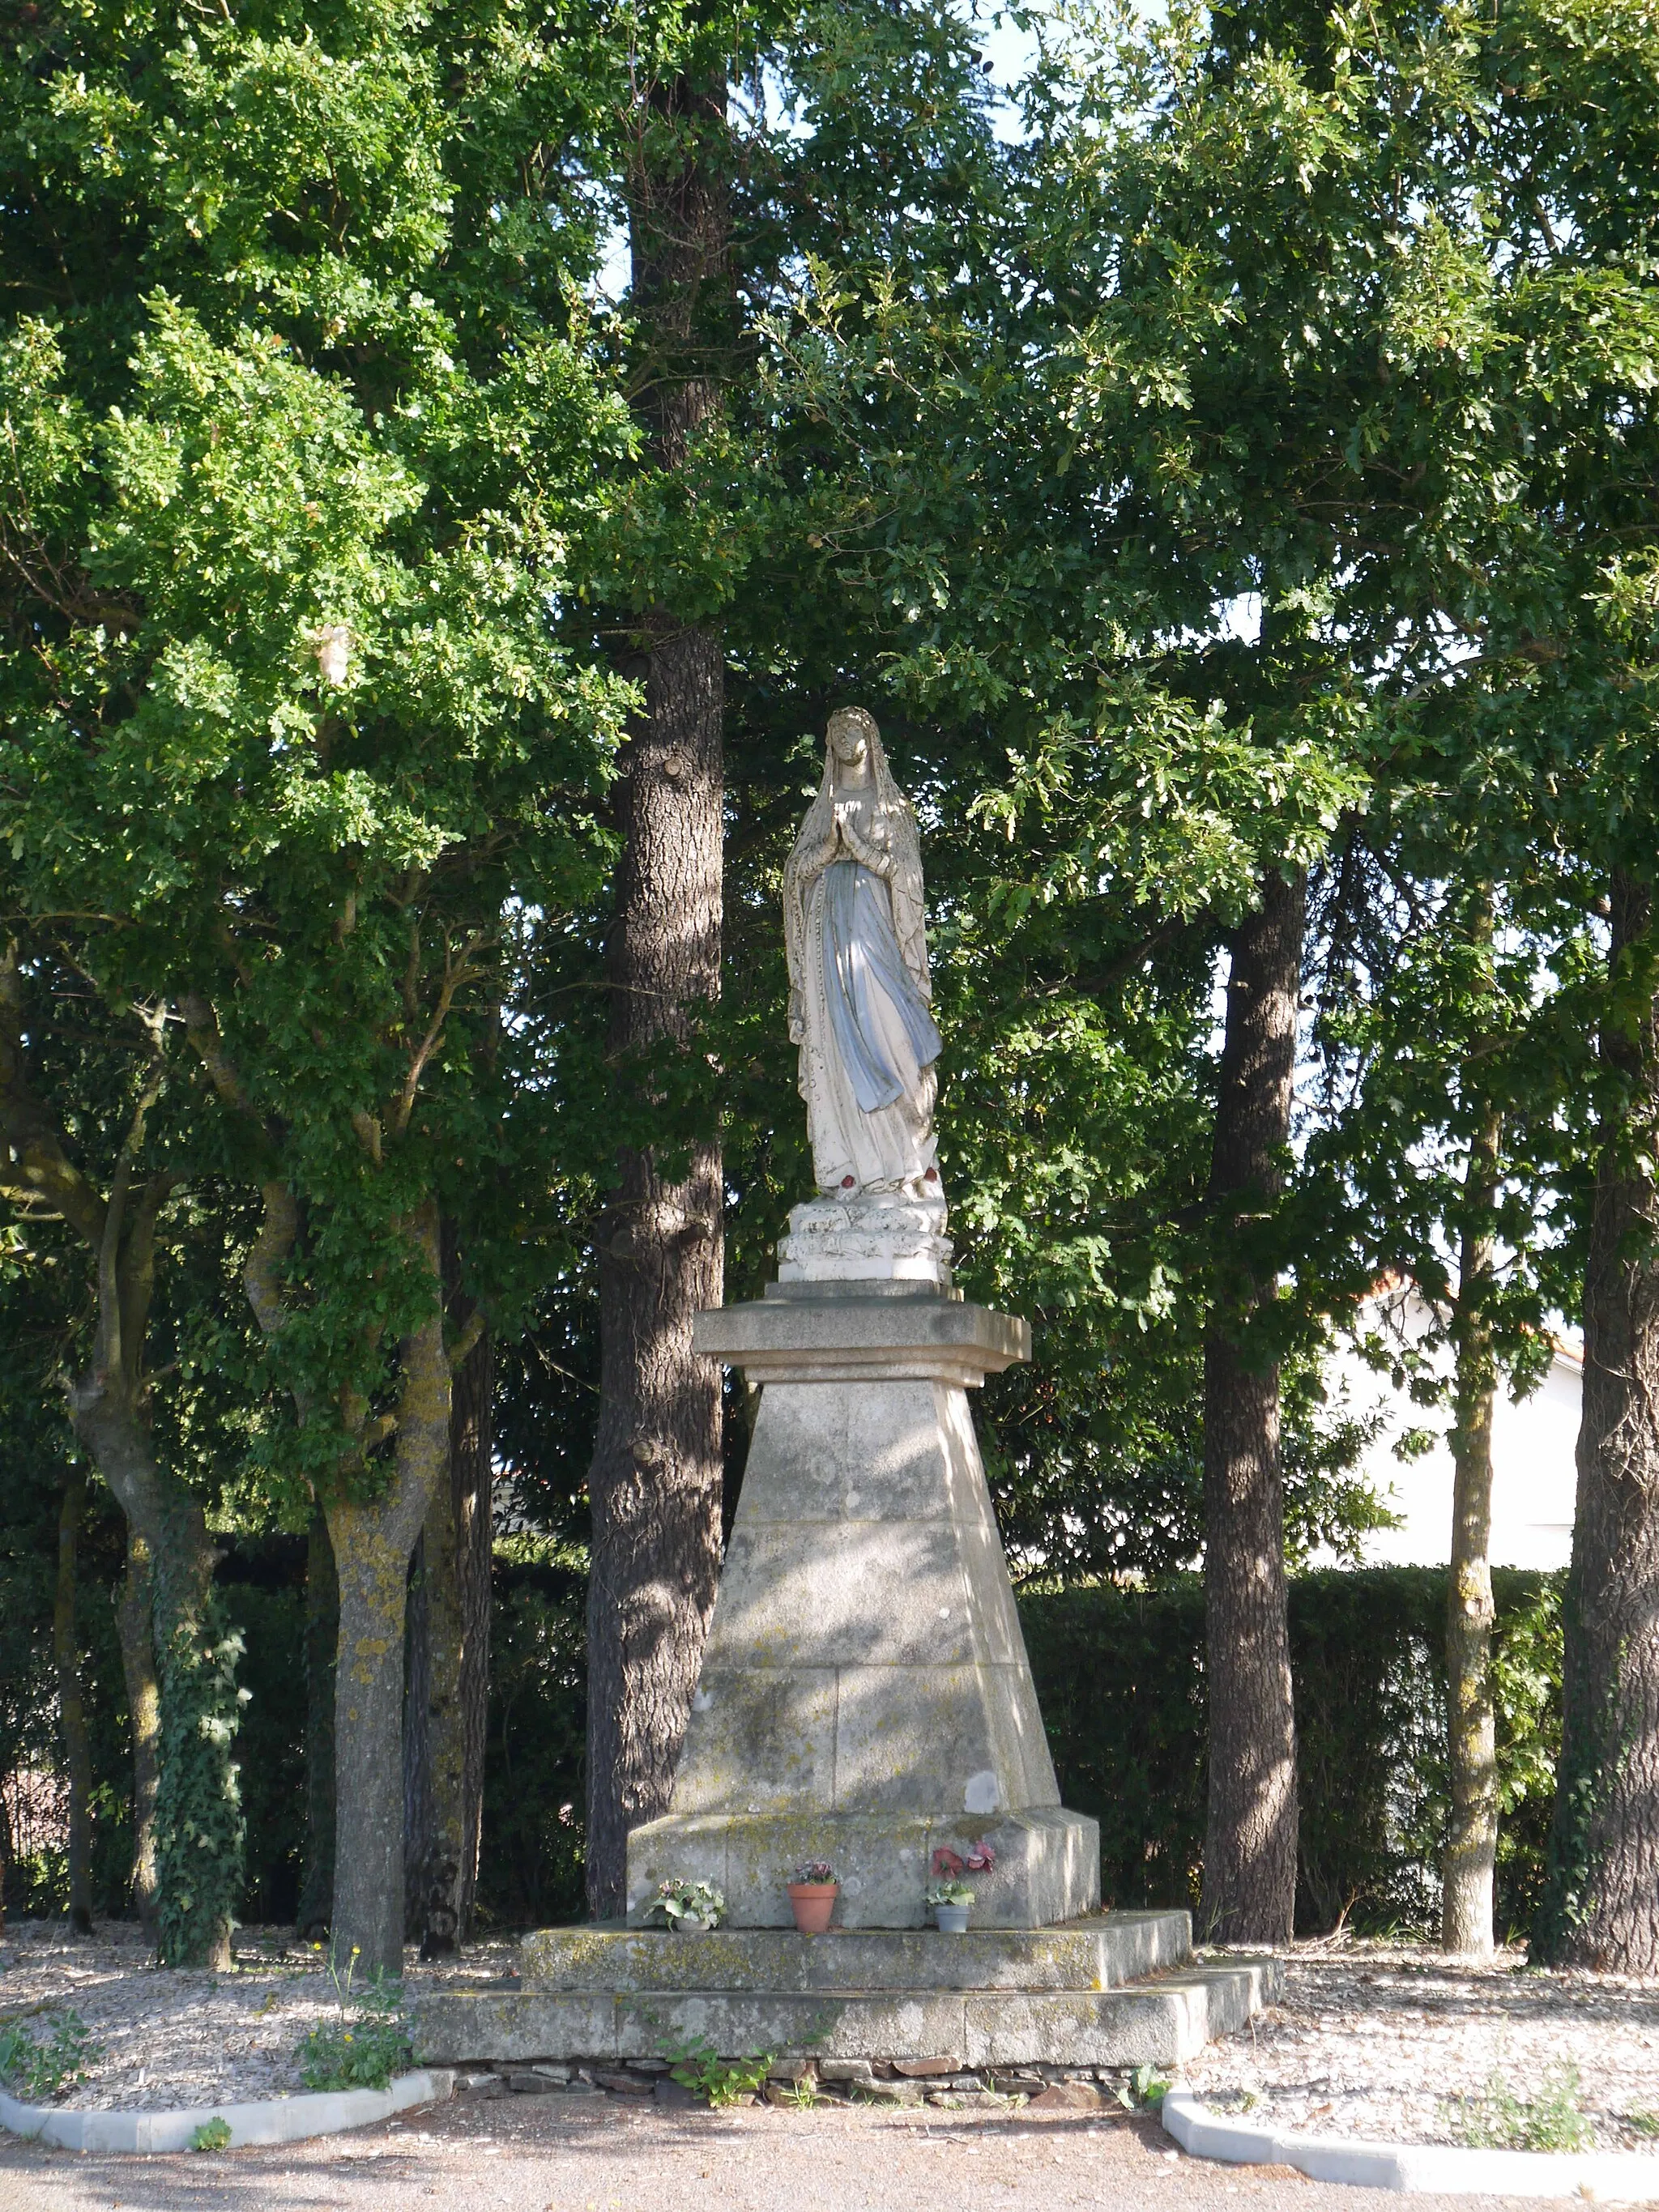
pixel 852 733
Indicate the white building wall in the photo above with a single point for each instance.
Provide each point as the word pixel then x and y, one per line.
pixel 1534 1473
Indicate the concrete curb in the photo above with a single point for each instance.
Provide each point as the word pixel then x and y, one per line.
pixel 278 2120
pixel 1617 2177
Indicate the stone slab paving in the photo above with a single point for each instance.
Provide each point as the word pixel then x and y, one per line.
pixel 609 2155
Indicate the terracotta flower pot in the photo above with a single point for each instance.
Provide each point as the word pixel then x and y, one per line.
pixel 812 1903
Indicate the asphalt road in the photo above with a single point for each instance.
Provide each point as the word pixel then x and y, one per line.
pixel 545 2154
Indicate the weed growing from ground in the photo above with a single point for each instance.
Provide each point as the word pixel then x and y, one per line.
pixel 32 2069
pixel 695 2065
pixel 1500 2120
pixel 367 2045
pixel 212 2135
pixel 1145 2090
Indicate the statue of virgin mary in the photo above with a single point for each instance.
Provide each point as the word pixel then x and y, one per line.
pixel 859 991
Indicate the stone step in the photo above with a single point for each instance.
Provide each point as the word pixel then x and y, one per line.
pixel 1100 1952
pixel 1159 2022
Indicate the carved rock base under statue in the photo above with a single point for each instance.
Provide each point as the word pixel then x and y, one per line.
pixel 865 1695
pixel 867 1238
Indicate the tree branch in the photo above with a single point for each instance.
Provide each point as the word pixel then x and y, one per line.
pixel 35 1145
pixel 201 1028
pixel 138 1280
pixel 262 1271
pixel 461 1351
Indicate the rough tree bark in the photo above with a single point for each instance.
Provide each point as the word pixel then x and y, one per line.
pixel 655 1479
pixel 1250 1838
pixel 71 1706
pixel 1466 1874
pixel 134 1603
pixel 1601 1904
pixel 315 1909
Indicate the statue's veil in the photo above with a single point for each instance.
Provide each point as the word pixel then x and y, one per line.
pixel 904 843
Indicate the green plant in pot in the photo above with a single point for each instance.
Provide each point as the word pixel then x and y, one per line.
pixel 950 1901
pixel 947 1895
pixel 689 1905
pixel 813 1888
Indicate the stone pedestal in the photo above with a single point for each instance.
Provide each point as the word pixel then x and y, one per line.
pixel 865 1695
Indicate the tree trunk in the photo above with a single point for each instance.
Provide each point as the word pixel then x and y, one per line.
pixel 656 1477
pixel 71 1706
pixel 198 1832
pixel 1250 1840
pixel 372 1540
pixel 1467 1876
pixel 1601 1904
pixel 134 1627
pixel 434 1748
pixel 446 1708
pixel 472 1476
pixel 316 1907
pixel 420 1838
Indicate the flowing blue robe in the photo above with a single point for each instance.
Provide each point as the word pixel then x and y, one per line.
pixel 863 965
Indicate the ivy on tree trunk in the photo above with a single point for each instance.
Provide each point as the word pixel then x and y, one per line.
pixel 199 1819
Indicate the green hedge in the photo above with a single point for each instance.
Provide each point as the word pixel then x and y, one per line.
pixel 530 1872
pixel 1121 1677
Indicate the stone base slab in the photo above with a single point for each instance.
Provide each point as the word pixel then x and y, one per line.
pixel 1101 1953
pixel 1158 2023
pixel 1047 1864
pixel 863 1340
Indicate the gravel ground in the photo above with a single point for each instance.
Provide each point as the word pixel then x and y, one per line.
pixel 1392 2042
pixel 1403 2045
pixel 183 2038
pixel 612 2154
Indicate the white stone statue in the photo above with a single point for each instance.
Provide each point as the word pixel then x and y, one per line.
pixel 859 991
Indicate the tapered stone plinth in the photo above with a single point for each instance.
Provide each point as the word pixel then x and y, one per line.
pixel 865 1695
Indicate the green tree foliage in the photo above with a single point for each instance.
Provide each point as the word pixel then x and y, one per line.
pixel 289 493
pixel 1248 469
